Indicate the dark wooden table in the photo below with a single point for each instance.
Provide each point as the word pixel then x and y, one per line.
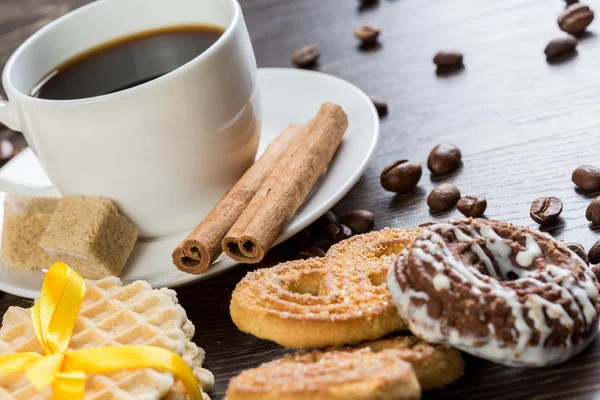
pixel 523 125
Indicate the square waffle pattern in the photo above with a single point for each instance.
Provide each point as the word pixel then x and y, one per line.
pixel 114 315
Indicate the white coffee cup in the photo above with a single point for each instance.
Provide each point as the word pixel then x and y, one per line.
pixel 164 151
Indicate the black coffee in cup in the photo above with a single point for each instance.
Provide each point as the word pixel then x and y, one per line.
pixel 126 62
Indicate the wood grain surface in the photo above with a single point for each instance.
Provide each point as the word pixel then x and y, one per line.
pixel 523 125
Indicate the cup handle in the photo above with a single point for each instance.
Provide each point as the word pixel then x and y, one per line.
pixel 8 116
pixel 11 120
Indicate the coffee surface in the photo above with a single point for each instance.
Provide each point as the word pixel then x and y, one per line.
pixel 126 62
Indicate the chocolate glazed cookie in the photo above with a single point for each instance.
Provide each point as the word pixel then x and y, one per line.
pixel 505 293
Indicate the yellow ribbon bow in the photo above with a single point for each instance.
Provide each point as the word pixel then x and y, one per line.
pixel 54 317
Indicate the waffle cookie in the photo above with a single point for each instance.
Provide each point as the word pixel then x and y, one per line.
pixel 113 315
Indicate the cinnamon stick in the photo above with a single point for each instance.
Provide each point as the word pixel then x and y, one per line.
pixel 203 246
pixel 282 193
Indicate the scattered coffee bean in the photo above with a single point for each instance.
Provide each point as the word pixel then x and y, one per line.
pixel 569 2
pixel 596 271
pixel 444 158
pixel 317 228
pixel 560 45
pixel 592 212
pixel 587 177
pixel 380 105
pixel 359 221
pixel 578 249
pixel 329 216
pixel 334 233
pixel 302 239
pixel 445 59
pixel 306 56
pixel 310 252
pixel 472 206
pixel 545 210
pixel 367 34
pixel 442 197
pixel 368 2
pixel 575 18
pixel 401 176
pixel 346 231
pixel 594 253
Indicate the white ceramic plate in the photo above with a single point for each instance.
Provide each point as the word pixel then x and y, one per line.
pixel 288 95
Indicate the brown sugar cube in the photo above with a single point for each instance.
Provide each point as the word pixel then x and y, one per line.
pixel 90 235
pixel 25 219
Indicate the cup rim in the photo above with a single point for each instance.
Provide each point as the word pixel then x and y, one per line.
pixel 10 88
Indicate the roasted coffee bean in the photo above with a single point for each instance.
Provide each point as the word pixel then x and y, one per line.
pixel 317 228
pixel 359 221
pixel 472 206
pixel 545 210
pixel 427 224
pixel 444 158
pixel 346 231
pixel 7 150
pixel 310 252
pixel 442 197
pixel 592 212
pixel 306 56
pixel 569 2
pixel 575 18
pixel 445 59
pixel 401 176
pixel 596 271
pixel 334 233
pixel 367 34
pixel 380 105
pixel 578 249
pixel 560 45
pixel 587 177
pixel 594 253
pixel 302 238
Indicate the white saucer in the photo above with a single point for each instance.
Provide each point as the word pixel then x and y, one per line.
pixel 288 95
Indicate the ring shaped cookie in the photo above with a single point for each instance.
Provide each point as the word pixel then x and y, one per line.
pixel 508 294
pixel 329 375
pixel 371 366
pixel 435 365
pixel 338 299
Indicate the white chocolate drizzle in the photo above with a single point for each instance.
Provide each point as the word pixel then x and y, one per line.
pixel 532 250
pixel 441 282
pixel 430 247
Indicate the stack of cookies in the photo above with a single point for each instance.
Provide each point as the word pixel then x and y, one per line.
pixel 504 293
pixel 340 303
